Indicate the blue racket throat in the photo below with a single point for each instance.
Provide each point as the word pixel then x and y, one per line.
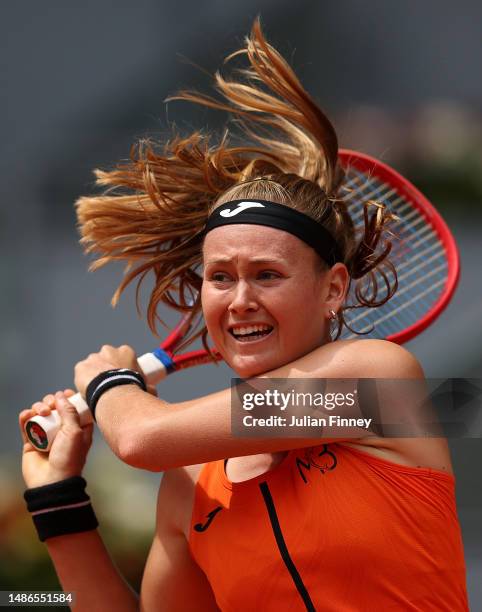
pixel 165 359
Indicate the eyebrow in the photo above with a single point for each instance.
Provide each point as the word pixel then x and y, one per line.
pixel 258 260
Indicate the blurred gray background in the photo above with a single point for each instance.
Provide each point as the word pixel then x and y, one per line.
pixel 83 81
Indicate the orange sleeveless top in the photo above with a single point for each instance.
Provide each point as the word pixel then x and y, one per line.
pixel 333 529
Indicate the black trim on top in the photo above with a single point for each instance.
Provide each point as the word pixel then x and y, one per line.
pixel 285 555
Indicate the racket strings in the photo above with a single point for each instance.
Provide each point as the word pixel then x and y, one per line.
pixel 417 252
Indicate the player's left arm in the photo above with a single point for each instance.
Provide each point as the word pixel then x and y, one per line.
pixel 152 434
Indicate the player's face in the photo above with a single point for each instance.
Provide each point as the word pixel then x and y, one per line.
pixel 264 297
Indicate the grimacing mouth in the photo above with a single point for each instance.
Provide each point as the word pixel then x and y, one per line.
pixel 248 330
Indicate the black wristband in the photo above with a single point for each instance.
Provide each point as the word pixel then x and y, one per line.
pixel 61 508
pixel 111 378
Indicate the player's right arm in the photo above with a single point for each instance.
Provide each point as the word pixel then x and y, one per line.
pixel 172 580
pixel 82 562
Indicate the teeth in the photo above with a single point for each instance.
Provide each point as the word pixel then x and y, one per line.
pixel 243 331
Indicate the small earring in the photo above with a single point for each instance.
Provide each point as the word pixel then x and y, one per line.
pixel 333 314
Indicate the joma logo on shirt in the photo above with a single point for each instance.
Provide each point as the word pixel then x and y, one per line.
pixel 200 527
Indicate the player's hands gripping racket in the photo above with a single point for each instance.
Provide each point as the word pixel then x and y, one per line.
pixel 427 264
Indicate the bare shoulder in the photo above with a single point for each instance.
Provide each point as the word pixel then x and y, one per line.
pixel 176 495
pixel 373 358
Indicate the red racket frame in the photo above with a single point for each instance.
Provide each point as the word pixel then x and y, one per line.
pixel 374 167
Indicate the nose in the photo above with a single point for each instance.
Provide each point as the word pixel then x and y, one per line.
pixel 243 298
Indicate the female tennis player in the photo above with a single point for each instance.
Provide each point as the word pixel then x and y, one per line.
pixel 352 522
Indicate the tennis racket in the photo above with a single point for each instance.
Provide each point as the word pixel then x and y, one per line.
pixel 426 259
pixel 425 255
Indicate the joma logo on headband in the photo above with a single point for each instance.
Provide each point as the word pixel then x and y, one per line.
pixel 239 208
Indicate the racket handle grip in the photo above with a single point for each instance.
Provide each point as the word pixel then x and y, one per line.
pixel 42 430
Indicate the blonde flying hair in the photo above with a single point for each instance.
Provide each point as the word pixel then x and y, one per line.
pixel 156 205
